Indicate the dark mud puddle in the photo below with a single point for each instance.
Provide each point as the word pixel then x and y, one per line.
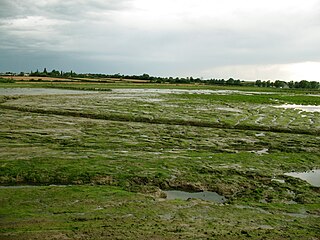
pixel 207 196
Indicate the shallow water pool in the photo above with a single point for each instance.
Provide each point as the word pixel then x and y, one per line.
pixel 312 177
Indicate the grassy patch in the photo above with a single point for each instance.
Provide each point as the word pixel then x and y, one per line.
pixel 256 98
pixel 108 213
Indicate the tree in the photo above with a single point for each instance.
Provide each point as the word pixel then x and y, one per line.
pixel 54 73
pixel 291 84
pixel 304 84
pixel 258 83
pixel 314 85
pixel 268 83
pixel 237 82
pixel 230 81
pixel 279 84
pixel 144 76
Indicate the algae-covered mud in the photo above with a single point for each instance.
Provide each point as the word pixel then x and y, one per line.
pixel 158 164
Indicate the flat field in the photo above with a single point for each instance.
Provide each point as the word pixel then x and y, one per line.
pixel 97 164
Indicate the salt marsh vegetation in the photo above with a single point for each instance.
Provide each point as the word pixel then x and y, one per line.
pixel 117 152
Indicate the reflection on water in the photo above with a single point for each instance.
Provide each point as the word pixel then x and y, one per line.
pixel 208 196
pixel 312 177
pixel 306 108
pixel 37 91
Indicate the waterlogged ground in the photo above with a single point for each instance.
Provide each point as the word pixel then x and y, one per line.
pixel 227 109
pixel 102 163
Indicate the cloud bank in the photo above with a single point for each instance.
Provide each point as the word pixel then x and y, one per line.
pixel 245 39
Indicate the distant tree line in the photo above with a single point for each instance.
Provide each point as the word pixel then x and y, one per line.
pixel 191 80
pixel 146 77
pixel 304 84
pixel 53 73
pixel 282 84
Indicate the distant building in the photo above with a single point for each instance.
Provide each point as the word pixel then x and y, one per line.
pixel 8 74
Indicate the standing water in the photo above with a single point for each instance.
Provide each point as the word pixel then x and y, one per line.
pixel 306 108
pixel 312 177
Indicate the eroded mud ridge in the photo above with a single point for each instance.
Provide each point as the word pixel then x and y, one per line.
pixel 211 165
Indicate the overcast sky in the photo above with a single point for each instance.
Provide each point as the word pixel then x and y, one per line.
pixel 246 39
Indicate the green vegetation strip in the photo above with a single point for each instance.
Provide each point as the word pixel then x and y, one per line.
pixel 273 98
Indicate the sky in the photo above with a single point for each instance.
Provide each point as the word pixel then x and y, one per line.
pixel 243 39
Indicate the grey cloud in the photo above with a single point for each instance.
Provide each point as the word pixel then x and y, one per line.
pixel 67 9
pixel 8 9
pixel 89 37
